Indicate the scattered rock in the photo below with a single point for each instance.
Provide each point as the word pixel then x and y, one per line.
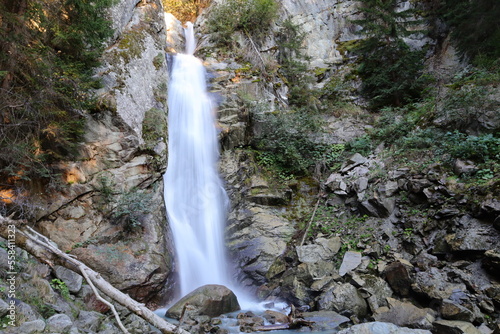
pixel 89 320
pixel 35 326
pixel 343 298
pixel 350 262
pixel 72 280
pixel 398 278
pixel 353 161
pixel 212 300
pixel 325 320
pixel 377 207
pixel 405 314
pixel 452 310
pixel 464 167
pixel 381 328
pixel 58 323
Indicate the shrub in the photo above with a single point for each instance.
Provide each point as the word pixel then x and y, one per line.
pixel 253 17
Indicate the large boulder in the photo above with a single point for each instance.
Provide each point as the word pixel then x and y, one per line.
pixel 405 314
pixel 211 300
pixel 343 298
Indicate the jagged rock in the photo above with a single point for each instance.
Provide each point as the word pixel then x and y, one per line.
pixel 353 161
pixel 435 285
pixel 405 314
pixel 325 320
pixel 322 250
pixel 343 298
pixel 447 213
pixel 464 167
pixel 257 236
pixel 451 310
pixel 492 261
pixel 473 235
pixel 295 285
pixel 58 323
pixel 350 262
pixel 89 320
pixel 247 321
pixel 391 188
pixel 455 327
pixel 377 207
pixel 396 274
pixel 418 185
pixel 374 290
pixel 35 326
pixel 212 300
pixel 381 328
pixel 72 280
pixel 336 183
pixel 494 293
pixel 490 209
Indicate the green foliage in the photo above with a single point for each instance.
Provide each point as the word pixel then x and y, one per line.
pixel 253 17
pixel 469 99
pixel 47 53
pixel 475 28
pixel 285 143
pixel 131 209
pixel 60 286
pixel 390 70
pixel 481 148
pixel 293 65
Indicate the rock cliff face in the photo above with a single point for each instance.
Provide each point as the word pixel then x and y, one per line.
pixel 390 235
pixel 112 215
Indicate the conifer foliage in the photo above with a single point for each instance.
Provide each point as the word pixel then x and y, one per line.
pixel 48 49
pixel 389 68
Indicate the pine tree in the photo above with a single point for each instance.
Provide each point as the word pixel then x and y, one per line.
pixel 389 68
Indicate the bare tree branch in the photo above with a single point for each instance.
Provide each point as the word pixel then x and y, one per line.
pixel 46 251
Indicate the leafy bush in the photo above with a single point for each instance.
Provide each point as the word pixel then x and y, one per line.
pixel 252 17
pixel 479 148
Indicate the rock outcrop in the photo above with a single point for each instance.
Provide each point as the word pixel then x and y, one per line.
pixel 111 213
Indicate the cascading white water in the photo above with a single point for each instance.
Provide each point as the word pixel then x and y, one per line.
pixel 195 198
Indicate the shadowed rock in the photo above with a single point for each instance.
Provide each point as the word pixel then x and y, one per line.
pixel 212 300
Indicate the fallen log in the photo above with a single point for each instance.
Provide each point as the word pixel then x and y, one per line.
pixel 20 233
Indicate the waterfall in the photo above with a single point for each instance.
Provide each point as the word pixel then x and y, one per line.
pixel 195 198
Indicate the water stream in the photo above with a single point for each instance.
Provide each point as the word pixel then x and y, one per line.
pixel 195 198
